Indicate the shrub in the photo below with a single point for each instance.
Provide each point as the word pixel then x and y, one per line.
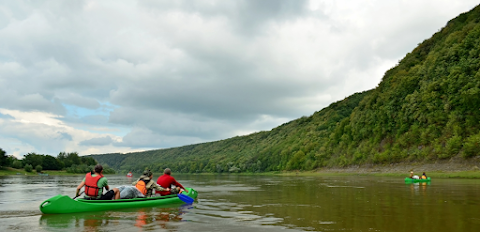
pixel 38 168
pixel 454 145
pixel 28 168
pixel 107 170
pixel 17 164
pixel 471 146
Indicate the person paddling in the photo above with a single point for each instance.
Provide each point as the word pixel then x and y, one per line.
pixel 424 176
pixel 413 176
pixel 166 181
pixel 94 183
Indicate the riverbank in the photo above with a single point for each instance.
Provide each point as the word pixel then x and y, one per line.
pixel 7 171
pixel 453 168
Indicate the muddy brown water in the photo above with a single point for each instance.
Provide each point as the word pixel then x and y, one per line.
pixel 259 203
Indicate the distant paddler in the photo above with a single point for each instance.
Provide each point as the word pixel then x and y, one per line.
pixel 413 176
pixel 424 176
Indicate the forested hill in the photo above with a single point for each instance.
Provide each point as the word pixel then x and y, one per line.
pixel 426 108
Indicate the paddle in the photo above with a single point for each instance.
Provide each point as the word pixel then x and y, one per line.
pixel 185 198
pixel 78 195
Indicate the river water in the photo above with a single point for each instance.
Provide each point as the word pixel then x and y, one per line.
pixel 259 203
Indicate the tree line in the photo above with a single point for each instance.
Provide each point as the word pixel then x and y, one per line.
pixel 70 162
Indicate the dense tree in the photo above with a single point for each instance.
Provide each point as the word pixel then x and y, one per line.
pixel 33 159
pixel 10 160
pixel 3 158
pixel 83 168
pixel 88 160
pixel 49 162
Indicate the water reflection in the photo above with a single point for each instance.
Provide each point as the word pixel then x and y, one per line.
pixel 419 189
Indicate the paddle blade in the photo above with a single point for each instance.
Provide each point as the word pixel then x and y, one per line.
pixel 185 198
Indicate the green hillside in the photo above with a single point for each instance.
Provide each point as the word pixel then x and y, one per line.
pixel 426 108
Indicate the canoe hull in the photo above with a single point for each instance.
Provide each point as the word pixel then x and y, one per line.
pixel 61 204
pixel 410 180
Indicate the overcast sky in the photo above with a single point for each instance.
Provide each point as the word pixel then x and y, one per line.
pixel 121 76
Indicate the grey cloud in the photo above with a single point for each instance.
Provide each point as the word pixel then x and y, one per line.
pixel 175 129
pixel 141 138
pixel 248 8
pixel 11 99
pixel 222 100
pixel 169 123
pixel 92 120
pixel 234 88
pixel 106 140
pixel 252 14
pixel 247 16
pixel 81 101
pixel 64 136
pixel 167 129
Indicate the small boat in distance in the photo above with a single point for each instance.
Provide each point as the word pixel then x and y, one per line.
pixel 130 174
pixel 410 180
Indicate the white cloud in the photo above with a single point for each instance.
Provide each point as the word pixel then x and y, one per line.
pixel 45 133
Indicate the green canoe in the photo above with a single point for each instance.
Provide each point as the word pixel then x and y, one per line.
pixel 410 180
pixel 64 204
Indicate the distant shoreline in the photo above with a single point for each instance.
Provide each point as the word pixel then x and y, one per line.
pixel 453 168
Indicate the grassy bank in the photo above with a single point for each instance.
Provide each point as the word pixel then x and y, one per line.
pixel 6 171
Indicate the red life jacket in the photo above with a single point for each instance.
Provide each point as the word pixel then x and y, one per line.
pixel 91 187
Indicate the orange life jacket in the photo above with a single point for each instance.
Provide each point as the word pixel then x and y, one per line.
pixel 91 187
pixel 142 186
